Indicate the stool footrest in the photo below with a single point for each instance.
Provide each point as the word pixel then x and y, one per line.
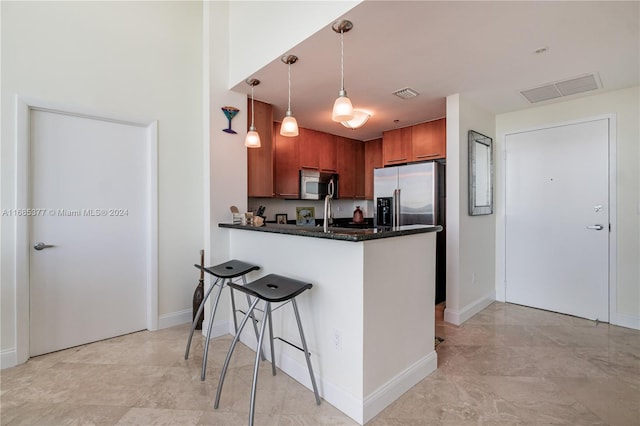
pixel 291 344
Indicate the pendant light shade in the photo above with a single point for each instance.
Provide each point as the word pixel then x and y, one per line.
pixel 289 127
pixel 342 107
pixel 253 138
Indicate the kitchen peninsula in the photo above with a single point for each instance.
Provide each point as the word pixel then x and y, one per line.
pixel 369 318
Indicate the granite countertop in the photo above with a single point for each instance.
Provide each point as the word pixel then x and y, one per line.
pixel 337 233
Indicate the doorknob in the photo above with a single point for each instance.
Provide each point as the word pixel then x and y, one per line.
pixel 40 246
pixel 595 227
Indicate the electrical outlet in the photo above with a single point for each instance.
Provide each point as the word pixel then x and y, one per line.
pixel 337 339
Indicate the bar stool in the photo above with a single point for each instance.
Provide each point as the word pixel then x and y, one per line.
pixel 271 288
pixel 224 273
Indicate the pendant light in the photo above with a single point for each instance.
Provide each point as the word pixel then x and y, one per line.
pixel 289 126
pixel 253 138
pixel 342 108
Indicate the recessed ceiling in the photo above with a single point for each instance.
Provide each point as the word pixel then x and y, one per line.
pixel 482 50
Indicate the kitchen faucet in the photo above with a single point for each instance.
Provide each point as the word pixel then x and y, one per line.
pixel 327 207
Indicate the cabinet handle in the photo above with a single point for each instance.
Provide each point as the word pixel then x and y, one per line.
pixel 284 195
pixel 329 170
pixel 310 167
pixel 427 155
pixel 398 159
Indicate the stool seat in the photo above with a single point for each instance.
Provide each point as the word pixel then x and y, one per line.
pixel 224 273
pixel 273 288
pixel 231 269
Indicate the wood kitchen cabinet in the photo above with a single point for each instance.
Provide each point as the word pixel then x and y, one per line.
pixel 350 168
pixel 396 146
pixel 318 151
pixel 372 160
pixel 429 140
pixel 260 160
pixel 287 165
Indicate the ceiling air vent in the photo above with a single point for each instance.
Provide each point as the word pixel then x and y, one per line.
pixel 406 93
pixel 561 88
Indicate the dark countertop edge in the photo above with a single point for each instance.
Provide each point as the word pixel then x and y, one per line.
pixel 338 234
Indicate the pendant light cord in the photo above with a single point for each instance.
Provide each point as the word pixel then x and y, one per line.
pixel 342 58
pixel 252 108
pixel 289 108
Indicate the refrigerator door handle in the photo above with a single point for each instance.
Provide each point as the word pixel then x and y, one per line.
pixel 396 208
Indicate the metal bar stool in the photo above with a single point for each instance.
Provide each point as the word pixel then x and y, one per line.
pixel 271 288
pixel 224 273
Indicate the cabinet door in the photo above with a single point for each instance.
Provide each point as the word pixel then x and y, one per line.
pixel 287 174
pixel 428 140
pixel 360 193
pixel 372 159
pixel 327 152
pixel 260 160
pixel 396 146
pixel 346 167
pixel 309 151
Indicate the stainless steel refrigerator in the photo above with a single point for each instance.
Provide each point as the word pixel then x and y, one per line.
pixel 414 194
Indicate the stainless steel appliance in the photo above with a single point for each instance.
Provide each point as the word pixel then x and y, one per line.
pixel 414 194
pixel 314 185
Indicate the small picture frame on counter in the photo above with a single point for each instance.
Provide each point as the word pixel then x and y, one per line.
pixel 281 218
pixel 305 216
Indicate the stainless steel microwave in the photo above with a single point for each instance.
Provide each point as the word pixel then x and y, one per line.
pixel 314 185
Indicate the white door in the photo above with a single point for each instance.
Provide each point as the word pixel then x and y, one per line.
pixel 88 192
pixel 557 219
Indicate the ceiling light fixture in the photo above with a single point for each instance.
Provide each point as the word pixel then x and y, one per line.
pixel 359 119
pixel 253 138
pixel 289 126
pixel 342 108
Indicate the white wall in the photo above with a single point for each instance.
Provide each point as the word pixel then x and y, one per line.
pixel 625 104
pixel 137 59
pixel 264 30
pixel 470 239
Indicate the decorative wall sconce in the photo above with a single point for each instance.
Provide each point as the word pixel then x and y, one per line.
pixel 253 138
pixel 342 107
pixel 289 126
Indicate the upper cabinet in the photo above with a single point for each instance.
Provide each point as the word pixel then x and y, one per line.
pixel 396 146
pixel 318 151
pixel 372 160
pixel 421 142
pixel 429 140
pixel 350 168
pixel 260 160
pixel 287 165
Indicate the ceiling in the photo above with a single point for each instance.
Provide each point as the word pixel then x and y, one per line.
pixel 482 50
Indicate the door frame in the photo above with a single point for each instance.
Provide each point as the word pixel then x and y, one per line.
pixel 24 105
pixel 502 228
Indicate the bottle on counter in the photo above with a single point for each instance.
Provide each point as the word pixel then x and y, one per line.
pixel 358 217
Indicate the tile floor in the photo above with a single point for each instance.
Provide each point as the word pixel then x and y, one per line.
pixel 508 365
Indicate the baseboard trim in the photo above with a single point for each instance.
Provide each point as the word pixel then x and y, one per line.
pixel 174 318
pixel 220 328
pixel 628 321
pixel 386 394
pixel 8 358
pixel 458 317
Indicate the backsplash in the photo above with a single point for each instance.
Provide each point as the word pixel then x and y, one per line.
pixel 341 208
